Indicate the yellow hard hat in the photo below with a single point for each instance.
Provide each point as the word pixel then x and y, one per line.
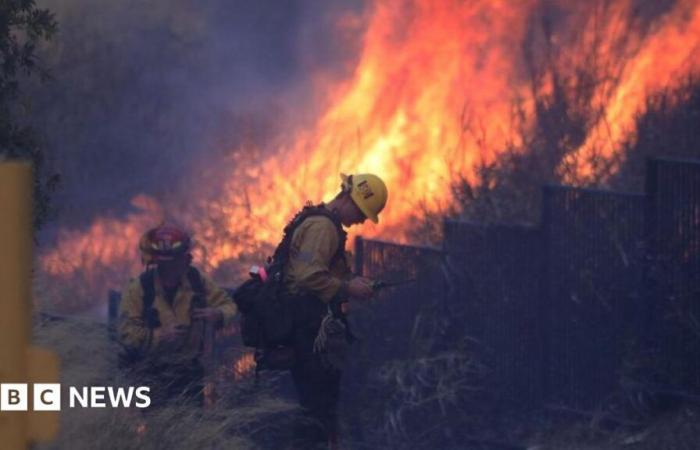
pixel 368 191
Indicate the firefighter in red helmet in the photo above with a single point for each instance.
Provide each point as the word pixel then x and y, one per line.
pixel 163 314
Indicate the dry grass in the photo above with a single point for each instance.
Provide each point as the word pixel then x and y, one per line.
pixel 678 430
pixel 429 397
pixel 88 358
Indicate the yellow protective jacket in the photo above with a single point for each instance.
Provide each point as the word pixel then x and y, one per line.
pixel 133 332
pixel 313 267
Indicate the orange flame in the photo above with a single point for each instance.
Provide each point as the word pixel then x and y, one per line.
pixel 430 97
pixel 662 58
pixel 243 366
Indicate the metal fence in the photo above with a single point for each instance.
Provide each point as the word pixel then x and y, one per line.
pixel 399 309
pixel 673 270
pixel 593 253
pixel 392 328
pixel 558 309
pixel 495 276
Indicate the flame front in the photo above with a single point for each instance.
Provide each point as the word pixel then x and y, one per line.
pixel 658 61
pixel 430 97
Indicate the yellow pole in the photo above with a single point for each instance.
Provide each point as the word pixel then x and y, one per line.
pixel 15 272
pixel 20 362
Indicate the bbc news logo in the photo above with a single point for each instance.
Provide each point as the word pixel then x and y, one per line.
pixel 47 397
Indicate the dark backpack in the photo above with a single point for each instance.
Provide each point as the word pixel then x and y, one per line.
pixel 265 306
pixel 149 314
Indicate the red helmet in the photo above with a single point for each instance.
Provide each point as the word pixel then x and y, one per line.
pixel 164 243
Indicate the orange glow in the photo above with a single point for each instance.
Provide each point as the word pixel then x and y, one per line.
pixel 431 96
pixel 663 57
pixel 243 366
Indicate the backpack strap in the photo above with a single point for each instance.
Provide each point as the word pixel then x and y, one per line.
pixel 342 235
pixel 200 295
pixel 281 255
pixel 147 279
pixel 148 313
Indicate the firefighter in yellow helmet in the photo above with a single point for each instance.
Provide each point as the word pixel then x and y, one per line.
pixel 317 275
pixel 164 314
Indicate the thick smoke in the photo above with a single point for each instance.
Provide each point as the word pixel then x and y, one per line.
pixel 144 91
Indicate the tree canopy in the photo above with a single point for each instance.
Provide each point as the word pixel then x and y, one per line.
pixel 23 26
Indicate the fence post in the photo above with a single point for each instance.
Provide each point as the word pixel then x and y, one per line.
pixel 359 255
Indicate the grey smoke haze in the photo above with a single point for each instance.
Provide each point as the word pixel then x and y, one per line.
pixel 141 89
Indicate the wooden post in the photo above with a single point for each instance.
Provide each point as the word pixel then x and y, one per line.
pixel 19 362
